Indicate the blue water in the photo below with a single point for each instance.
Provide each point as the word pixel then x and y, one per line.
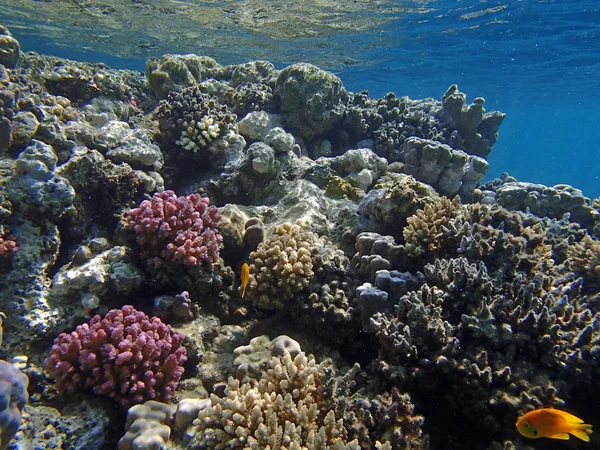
pixel 537 61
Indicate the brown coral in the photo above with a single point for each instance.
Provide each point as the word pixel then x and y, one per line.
pixel 282 266
pixel 584 258
pixel 427 229
pixel 284 410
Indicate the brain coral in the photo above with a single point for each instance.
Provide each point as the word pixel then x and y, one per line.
pixel 126 356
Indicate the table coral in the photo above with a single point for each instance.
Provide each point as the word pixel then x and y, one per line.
pixel 178 229
pixel 126 356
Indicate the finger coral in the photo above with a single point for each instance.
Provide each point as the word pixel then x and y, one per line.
pixel 178 229
pixel 282 266
pixel 284 410
pixel 126 356
pixel 191 119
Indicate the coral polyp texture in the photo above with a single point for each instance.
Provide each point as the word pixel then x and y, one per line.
pixel 282 266
pixel 584 257
pixel 191 119
pixel 125 355
pixel 177 229
pixel 285 409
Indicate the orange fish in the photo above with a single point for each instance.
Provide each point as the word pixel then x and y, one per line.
pixel 554 424
pixel 244 277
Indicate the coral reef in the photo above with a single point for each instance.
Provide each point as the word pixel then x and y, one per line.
pixel 191 119
pixel 462 307
pixel 125 356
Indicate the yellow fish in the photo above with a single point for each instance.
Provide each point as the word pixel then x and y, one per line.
pixel 244 277
pixel 554 424
pixel 2 319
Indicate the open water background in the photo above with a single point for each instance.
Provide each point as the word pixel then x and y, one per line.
pixel 538 61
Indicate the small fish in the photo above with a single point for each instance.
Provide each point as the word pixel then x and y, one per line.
pixel 2 319
pixel 554 424
pixel 244 277
pixel 133 100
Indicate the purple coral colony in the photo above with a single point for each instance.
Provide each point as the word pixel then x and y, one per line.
pixel 392 300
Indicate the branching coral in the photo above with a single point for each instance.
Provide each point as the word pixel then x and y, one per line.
pixel 8 243
pixel 126 356
pixel 191 119
pixel 505 240
pixel 584 258
pixel 427 229
pixel 284 410
pixel 282 266
pixel 179 229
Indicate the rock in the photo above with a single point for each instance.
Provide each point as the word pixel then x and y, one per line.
pixel 311 99
pixel 111 134
pixel 109 271
pixel 281 141
pixel 252 72
pixel 175 72
pixel 5 134
pixel 24 126
pixel 35 187
pixel 262 157
pixel 257 124
pixel 136 149
pixel 10 50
